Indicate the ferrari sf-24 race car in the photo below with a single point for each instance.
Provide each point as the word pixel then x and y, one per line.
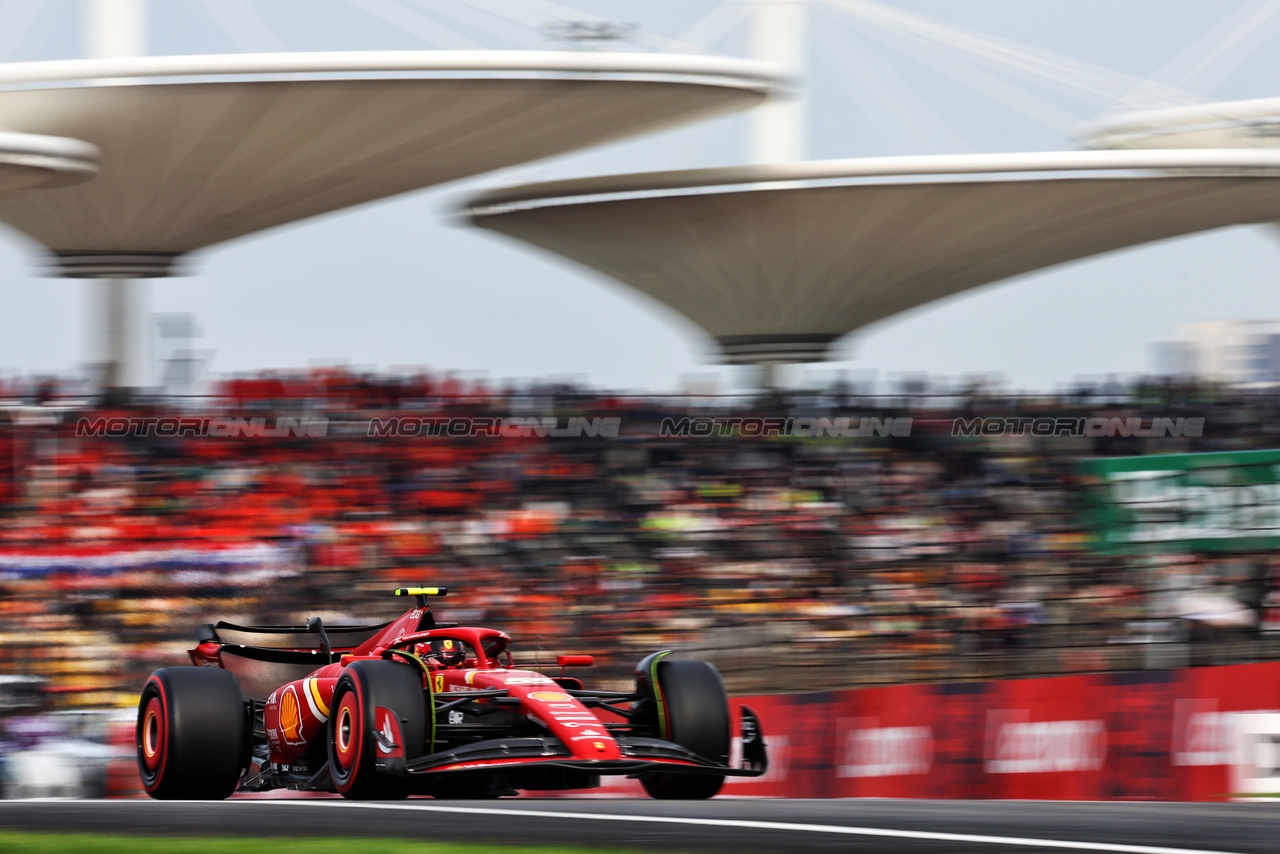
pixel 419 707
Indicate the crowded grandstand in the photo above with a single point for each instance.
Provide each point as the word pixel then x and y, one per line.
pixel 936 554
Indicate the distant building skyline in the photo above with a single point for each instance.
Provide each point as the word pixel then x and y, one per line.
pixel 1237 352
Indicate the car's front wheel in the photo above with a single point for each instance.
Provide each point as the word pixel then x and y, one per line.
pixel 691 708
pixel 363 688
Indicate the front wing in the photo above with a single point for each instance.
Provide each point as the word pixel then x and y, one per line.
pixel 640 756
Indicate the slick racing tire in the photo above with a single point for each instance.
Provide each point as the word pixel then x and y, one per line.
pixel 193 734
pixel 693 711
pixel 363 688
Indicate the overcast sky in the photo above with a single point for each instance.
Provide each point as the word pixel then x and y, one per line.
pixel 396 283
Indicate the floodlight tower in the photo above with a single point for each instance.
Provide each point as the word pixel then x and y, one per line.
pixel 117 29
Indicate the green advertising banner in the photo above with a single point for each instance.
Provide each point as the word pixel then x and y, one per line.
pixel 1228 501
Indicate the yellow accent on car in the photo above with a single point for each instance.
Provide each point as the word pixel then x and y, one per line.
pixel 314 685
pixel 419 591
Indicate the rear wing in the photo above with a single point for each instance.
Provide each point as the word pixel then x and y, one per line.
pixel 343 638
pixel 265 657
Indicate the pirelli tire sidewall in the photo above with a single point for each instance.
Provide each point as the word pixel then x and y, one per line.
pixel 193 735
pixel 352 746
pixel 691 706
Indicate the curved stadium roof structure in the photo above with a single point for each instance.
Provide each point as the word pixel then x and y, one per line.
pixel 197 150
pixel 776 272
pixel 1253 123
pixel 29 161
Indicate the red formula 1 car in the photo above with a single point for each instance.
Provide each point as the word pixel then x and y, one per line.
pixel 420 707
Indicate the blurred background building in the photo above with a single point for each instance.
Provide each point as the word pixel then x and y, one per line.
pixel 1236 352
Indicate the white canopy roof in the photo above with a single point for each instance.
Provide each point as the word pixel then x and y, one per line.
pixel 30 160
pixel 775 271
pixel 1254 123
pixel 198 150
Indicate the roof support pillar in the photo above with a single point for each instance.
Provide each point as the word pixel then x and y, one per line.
pixel 779 128
pixel 114 29
pixel 119 316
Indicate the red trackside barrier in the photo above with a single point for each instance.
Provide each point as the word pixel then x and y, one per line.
pixel 1153 735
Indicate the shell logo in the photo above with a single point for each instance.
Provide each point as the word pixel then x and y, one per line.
pixel 549 696
pixel 290 715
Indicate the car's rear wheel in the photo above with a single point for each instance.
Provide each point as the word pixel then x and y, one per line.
pixel 193 738
pixel 692 709
pixel 363 688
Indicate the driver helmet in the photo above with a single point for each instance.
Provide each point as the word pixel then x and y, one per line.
pixel 445 652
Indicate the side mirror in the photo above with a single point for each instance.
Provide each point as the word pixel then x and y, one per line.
pixel 574 661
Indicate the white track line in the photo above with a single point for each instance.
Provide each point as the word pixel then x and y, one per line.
pixel 793 827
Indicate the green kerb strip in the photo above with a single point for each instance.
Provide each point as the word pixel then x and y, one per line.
pixel 12 842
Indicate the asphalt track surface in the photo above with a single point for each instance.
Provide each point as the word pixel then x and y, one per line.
pixel 736 825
